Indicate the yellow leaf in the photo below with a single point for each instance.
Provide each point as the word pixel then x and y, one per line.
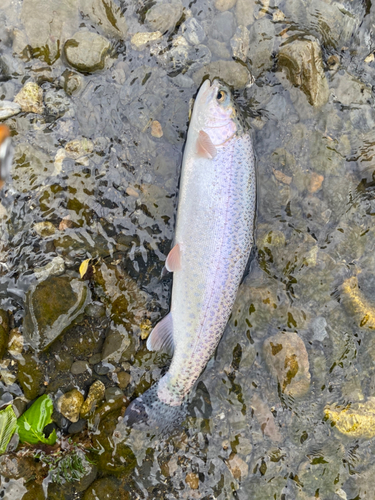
pixel 84 267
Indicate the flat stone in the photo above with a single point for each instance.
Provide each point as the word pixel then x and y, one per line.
pixel 78 367
pixel 302 61
pixel 8 109
pixel 245 12
pixel 164 16
pixel 140 40
pixel 51 307
pixel 287 360
pixel 87 51
pixel 193 31
pixel 349 90
pixel 107 16
pixel 30 98
pixel 70 404
pixel 223 26
pixel 231 72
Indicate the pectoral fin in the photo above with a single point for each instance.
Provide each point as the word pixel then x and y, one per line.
pixel 173 262
pixel 205 147
pixel 161 337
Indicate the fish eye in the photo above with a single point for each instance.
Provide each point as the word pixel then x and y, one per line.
pixel 221 95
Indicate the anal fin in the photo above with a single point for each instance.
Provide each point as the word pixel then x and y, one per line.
pixel 161 337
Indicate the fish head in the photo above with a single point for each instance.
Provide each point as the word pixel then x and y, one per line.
pixel 215 112
pixel 6 153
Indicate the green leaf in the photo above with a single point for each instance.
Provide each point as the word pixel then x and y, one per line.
pixel 8 424
pixel 32 422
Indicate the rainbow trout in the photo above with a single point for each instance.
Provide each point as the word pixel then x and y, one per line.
pixel 214 235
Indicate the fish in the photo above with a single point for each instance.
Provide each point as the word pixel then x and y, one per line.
pixel 212 244
pixel 6 154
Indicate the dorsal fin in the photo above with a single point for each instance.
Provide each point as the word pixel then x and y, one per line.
pixel 205 147
pixel 161 337
pixel 173 262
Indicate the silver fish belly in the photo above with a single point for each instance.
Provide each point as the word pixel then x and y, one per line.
pixel 213 239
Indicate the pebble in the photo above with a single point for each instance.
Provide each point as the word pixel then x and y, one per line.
pixel 193 31
pixel 113 393
pixel 77 427
pixel 244 12
pixel 224 5
pixel 240 43
pixel 156 130
pixel 70 404
pixel 53 268
pixel 223 26
pixel 164 16
pixel 8 109
pixel 87 51
pixel 316 181
pixel 140 40
pixel 78 367
pixel 237 466
pixel 96 394
pixel 192 480
pixel 231 72
pixel 103 368
pixel 95 359
pixel 123 379
pixel 56 102
pixel 30 98
pixel 15 342
pixel 44 229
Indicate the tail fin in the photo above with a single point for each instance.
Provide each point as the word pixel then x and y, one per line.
pixel 148 412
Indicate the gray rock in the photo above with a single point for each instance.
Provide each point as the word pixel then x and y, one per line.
pixel 87 51
pixel 95 310
pixel 30 376
pixel 77 427
pixel 113 393
pixel 89 477
pixel 48 24
pixel 95 359
pixel 224 5
pixel 230 72
pixel 107 16
pixel 286 357
pixel 261 42
pixel 103 368
pixel 116 342
pixel 223 26
pixel 164 16
pixel 302 61
pixel 51 307
pixel 240 43
pixel 8 109
pixel 193 31
pixel 245 12
pixel 78 367
pixel 44 229
pixel 56 102
pixel 220 49
pixel 349 91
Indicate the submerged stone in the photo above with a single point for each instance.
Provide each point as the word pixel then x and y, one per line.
pixel 51 307
pixel 87 51
pixel 302 61
pixel 107 16
pixel 287 359
pixel 96 394
pixel 30 98
pixel 8 109
pixel 193 31
pixel 356 420
pixel 30 376
pixel 231 72
pixel 164 16
pixel 141 40
pixel 4 331
pixel 70 404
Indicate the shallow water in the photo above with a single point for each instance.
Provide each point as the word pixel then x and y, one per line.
pixel 249 433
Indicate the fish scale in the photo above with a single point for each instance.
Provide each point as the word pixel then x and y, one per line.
pixel 213 238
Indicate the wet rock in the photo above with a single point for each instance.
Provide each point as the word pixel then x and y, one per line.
pixel 95 359
pixel 224 5
pixel 72 82
pixel 230 72
pixel 123 379
pixel 87 51
pixel 193 31
pixel 315 182
pixel 53 268
pixel 244 12
pixel 318 327
pixel 44 229
pixel 220 49
pixel 113 393
pixel 78 367
pixel 8 109
pixel 48 24
pixel 70 404
pixel 164 16
pixel 30 376
pixel 51 307
pixel 77 427
pixel 302 61
pixel 192 480
pixel 349 91
pixel 356 420
pixel 357 304
pixel 95 310
pixel 31 167
pixel 223 26
pixel 15 342
pixel 140 40
pixel 261 46
pixel 4 331
pixel 78 150
pixel 30 98
pixel 105 488
pixel 265 419
pixel 13 466
pixel 88 478
pixel 106 15
pixel 240 43
pixel 116 342
pixel 95 395
pixel 56 102
pixel 287 359
pixel 103 368
pixel 156 130
pixel 237 466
